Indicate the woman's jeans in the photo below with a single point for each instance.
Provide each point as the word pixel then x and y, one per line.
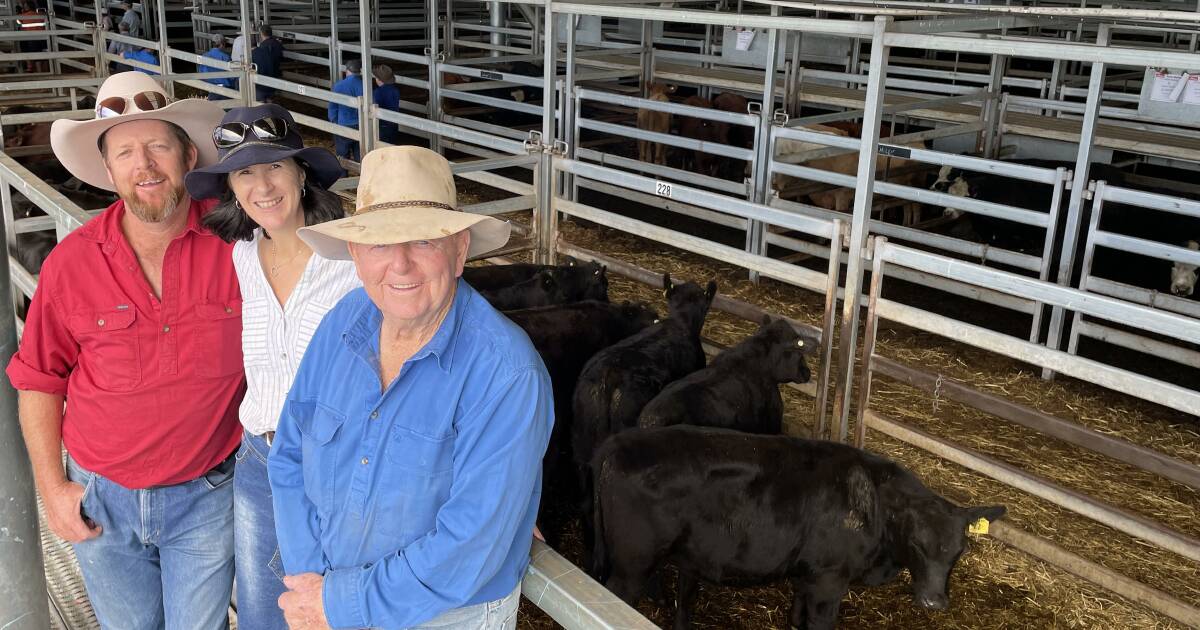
pixel 256 549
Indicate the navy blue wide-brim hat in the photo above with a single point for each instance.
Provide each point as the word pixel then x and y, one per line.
pixel 211 181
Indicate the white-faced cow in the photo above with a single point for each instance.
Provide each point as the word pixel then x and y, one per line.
pixel 740 509
pixel 1183 275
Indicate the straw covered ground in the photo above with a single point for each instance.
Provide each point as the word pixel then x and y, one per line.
pixel 994 585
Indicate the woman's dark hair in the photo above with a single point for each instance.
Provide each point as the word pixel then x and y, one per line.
pixel 231 223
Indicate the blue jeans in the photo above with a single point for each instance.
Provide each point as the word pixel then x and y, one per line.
pixel 256 550
pixel 345 147
pixel 500 614
pixel 165 556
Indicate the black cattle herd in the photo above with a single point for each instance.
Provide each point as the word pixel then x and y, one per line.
pixel 667 461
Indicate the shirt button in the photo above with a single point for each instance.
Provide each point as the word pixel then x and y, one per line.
pixel 374 414
pixel 100 322
pixel 228 310
pixel 364 461
pixel 166 329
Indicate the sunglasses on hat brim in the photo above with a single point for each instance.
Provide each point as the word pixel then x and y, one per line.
pixel 141 102
pixel 268 128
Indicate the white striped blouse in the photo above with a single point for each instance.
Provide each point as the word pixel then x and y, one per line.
pixel 274 337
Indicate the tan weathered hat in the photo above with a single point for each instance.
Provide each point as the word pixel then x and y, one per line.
pixel 123 98
pixel 405 193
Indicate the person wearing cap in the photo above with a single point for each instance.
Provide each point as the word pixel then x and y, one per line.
pixel 406 467
pixel 269 185
pixel 131 18
pixel 131 359
pixel 268 58
pixel 219 53
pixel 350 85
pixel 387 96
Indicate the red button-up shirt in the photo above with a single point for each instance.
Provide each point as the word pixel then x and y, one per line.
pixel 152 385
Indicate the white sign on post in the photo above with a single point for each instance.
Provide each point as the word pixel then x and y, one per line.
pixel 1191 93
pixel 744 38
pixel 1164 88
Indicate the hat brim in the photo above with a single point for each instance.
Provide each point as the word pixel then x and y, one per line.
pixel 74 141
pixel 210 182
pixel 402 225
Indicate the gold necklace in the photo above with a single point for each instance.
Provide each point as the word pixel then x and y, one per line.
pixel 275 266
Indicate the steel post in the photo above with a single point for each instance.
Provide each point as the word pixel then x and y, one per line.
pixel 164 60
pixel 545 223
pixel 496 12
pixel 23 604
pixel 1087 134
pixel 435 73
pixel 335 49
pixel 247 81
pixel 761 187
pixel 863 197
pixel 366 123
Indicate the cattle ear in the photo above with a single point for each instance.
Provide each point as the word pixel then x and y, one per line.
pixel 989 512
pixel 548 281
pixel 766 320
pixel 667 286
pixel 711 290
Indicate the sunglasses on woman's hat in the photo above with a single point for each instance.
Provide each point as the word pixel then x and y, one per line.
pixel 268 129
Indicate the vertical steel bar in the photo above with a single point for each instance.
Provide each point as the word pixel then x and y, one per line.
pixel 450 49
pixel 569 126
pixel 755 243
pixel 820 425
pixel 1089 252
pixel 863 197
pixel 647 57
pixel 496 21
pixel 545 224
pixel 872 327
pixel 23 589
pixel 335 48
pixel 1051 237
pixel 247 81
pixel 164 60
pixel 1087 133
pixel 366 123
pixel 435 73
pixel 991 109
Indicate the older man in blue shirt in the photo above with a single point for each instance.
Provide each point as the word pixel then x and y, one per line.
pixel 406 467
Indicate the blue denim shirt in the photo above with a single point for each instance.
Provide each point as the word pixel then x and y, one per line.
pixel 220 55
pixel 423 498
pixel 344 115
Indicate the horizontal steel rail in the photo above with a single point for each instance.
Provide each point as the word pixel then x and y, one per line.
pixel 678 109
pixel 682 142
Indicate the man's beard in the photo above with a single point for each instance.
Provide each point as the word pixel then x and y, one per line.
pixel 151 212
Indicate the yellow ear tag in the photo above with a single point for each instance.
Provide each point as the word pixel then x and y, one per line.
pixel 978 527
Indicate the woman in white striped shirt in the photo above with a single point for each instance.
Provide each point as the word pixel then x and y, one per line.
pixel 270 185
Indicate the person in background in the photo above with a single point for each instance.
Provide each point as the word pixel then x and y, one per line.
pixel 218 52
pixel 144 55
pixel 131 360
pixel 106 22
pixel 387 96
pixel 120 48
pixel 32 20
pixel 407 464
pixel 344 115
pixel 268 58
pixel 239 48
pixel 131 18
pixel 269 185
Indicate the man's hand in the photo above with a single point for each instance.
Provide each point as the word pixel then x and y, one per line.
pixel 537 533
pixel 302 606
pixel 63 505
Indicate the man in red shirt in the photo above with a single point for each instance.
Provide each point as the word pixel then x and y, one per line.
pixel 131 359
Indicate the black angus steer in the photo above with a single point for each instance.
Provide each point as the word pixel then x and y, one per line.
pixel 566 336
pixel 740 387
pixel 740 509
pixel 579 281
pixel 543 289
pixel 619 380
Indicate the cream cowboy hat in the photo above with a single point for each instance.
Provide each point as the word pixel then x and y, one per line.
pixel 123 98
pixel 405 193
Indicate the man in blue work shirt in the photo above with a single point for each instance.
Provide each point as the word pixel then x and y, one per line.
pixel 344 115
pixel 218 52
pixel 268 58
pixel 144 55
pixel 387 96
pixel 406 466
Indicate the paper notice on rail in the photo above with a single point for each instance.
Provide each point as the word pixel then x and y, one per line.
pixel 1163 89
pixel 1191 93
pixel 744 38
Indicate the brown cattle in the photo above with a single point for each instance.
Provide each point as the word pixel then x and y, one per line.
pixel 739 135
pixel 703 130
pixel 660 122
